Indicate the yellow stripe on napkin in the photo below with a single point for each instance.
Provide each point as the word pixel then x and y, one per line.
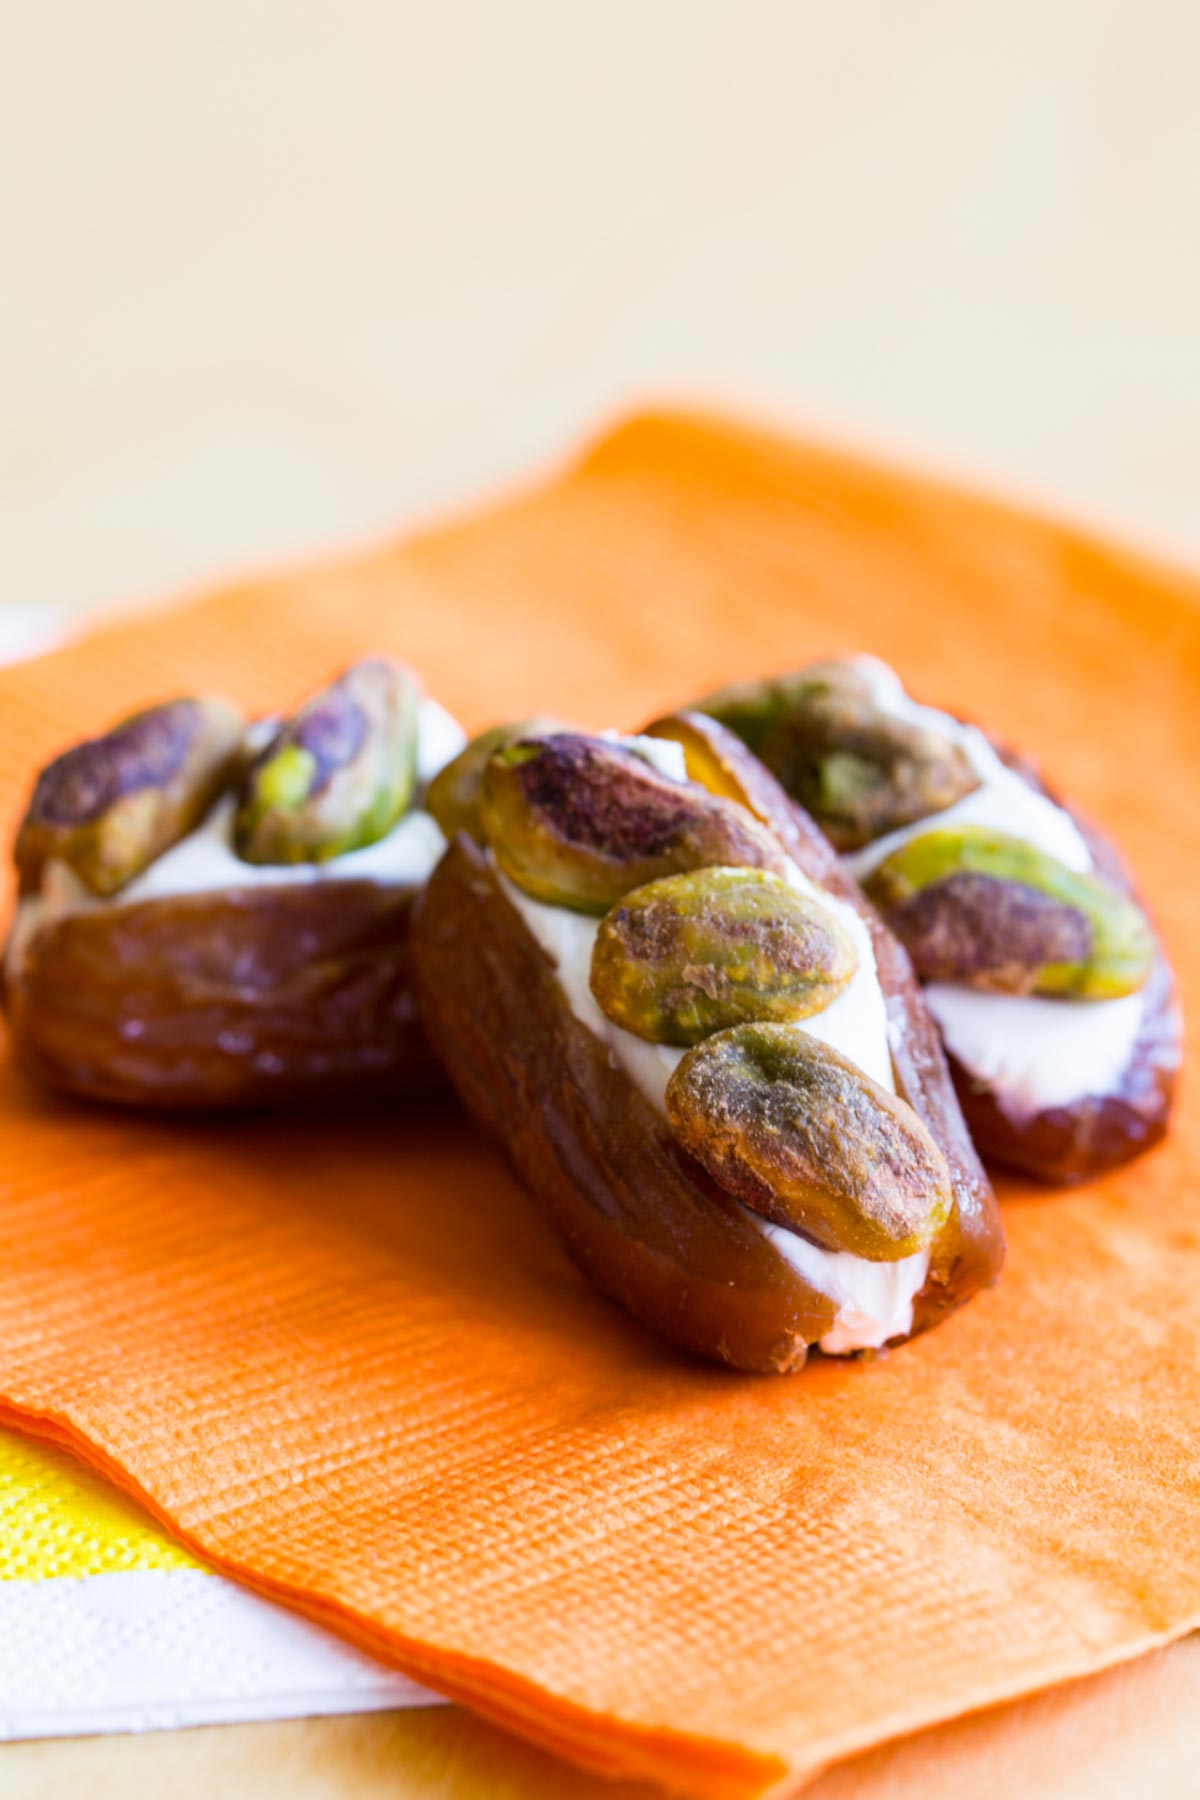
pixel 57 1519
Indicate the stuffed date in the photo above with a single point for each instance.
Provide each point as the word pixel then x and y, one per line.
pixel 1041 968
pixel 647 974
pixel 212 915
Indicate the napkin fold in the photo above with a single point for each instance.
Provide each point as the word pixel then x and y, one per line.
pixel 346 1360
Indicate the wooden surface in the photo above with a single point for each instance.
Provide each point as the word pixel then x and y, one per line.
pixel 1134 1730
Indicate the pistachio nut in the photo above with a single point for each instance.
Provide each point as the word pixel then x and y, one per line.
pixel 992 911
pixel 857 770
pixel 801 1136
pixel 579 821
pixel 109 807
pixel 707 761
pixel 689 955
pixel 456 792
pixel 338 774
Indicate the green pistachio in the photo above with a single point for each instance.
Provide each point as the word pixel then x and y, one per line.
pixel 992 911
pixel 456 792
pixel 109 807
pixel 801 1136
pixel 857 770
pixel 338 774
pixel 692 954
pixel 580 821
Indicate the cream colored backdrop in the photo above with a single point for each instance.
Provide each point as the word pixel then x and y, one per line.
pixel 276 271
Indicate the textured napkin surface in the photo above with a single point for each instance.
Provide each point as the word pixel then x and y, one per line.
pixel 347 1360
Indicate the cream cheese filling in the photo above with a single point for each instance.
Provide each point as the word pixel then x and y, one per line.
pixel 874 1300
pixel 1033 1053
pixel 206 862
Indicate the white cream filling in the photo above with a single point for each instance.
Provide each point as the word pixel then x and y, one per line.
pixel 1034 1053
pixel 205 861
pixel 440 737
pixel 874 1300
pixel 663 754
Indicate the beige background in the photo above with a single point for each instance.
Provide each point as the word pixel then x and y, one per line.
pixel 281 271
pixel 277 271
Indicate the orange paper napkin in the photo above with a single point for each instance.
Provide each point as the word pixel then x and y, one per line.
pixel 349 1363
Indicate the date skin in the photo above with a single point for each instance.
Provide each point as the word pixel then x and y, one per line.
pixel 634 1210
pixel 254 997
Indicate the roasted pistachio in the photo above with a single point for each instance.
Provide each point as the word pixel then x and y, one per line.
pixel 338 774
pixel 110 806
pixel 706 761
pixel 800 1135
pixel 857 770
pixel 987 932
pixel 456 792
pixel 993 911
pixel 580 821
pixel 686 956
